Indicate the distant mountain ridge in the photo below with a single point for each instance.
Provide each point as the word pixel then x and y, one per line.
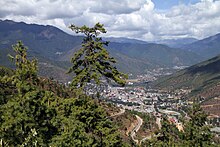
pixel 124 40
pixel 45 41
pixel 207 48
pixel 54 48
pixel 176 43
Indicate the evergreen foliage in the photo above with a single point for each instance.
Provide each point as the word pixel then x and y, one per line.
pixel 31 114
pixel 25 113
pixel 87 124
pixel 92 61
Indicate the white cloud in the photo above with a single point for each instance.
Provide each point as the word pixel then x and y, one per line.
pixel 125 18
pixel 198 20
pixel 116 6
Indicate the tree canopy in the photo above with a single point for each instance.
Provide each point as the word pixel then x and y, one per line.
pixel 93 62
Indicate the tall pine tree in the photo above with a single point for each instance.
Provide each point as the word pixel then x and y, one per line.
pixel 93 62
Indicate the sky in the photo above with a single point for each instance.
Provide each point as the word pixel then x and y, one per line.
pixel 147 20
pixel 167 4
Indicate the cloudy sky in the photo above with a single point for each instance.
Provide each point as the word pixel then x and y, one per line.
pixel 141 19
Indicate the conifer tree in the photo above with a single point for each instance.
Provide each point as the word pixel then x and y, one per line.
pixel 26 114
pixel 93 62
pixel 82 122
pixel 197 131
pixel 26 70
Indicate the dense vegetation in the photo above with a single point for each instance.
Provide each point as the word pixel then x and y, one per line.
pixel 33 115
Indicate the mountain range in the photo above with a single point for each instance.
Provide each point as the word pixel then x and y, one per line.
pixel 206 48
pixel 54 48
pixel 176 43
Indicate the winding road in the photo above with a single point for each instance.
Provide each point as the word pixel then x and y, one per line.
pixel 136 128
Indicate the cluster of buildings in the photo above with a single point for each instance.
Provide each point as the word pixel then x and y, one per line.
pixel 144 100
pixel 158 103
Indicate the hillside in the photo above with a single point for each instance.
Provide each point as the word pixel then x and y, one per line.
pixel 54 48
pixel 208 47
pixel 203 79
pixel 46 43
pixel 156 54
pixel 139 58
pixel 201 74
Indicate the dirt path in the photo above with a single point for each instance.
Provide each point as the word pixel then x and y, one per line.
pixel 211 105
pixel 158 122
pixel 122 111
pixel 145 138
